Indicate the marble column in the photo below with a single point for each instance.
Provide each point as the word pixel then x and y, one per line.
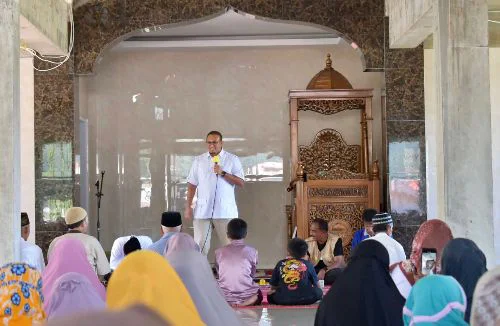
pixel 27 130
pixel 10 192
pixel 463 104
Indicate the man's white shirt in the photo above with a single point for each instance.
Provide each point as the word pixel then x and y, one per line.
pixel 394 248
pixel 215 196
pixel 32 255
pixel 117 253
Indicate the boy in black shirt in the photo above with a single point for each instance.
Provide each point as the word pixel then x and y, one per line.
pixel 294 280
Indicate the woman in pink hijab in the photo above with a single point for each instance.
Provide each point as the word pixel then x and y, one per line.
pixel 181 242
pixel 69 256
pixel 433 234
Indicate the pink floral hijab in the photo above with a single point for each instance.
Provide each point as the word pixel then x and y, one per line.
pixel 431 234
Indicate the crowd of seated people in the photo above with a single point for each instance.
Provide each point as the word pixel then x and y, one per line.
pixel 169 282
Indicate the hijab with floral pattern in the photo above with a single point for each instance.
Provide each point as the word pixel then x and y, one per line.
pixel 21 299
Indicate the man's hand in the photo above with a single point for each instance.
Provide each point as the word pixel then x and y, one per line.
pixel 321 274
pixel 188 213
pixel 217 169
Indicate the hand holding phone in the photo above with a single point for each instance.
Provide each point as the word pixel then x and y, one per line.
pixel 429 256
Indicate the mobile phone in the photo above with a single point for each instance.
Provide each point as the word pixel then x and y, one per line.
pixel 428 260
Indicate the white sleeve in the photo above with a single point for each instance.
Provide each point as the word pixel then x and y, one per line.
pixel 193 173
pixel 145 241
pixel 116 254
pixel 41 261
pixel 237 169
pixel 402 254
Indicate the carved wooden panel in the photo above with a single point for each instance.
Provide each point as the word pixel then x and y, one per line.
pixel 339 192
pixel 329 157
pixel 344 219
pixel 329 107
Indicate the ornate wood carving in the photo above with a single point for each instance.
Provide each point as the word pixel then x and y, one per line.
pixel 344 219
pixel 329 157
pixel 339 192
pixel 329 107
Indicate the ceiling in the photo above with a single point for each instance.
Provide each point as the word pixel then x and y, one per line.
pixel 231 28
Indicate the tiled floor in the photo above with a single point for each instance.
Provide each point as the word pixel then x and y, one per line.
pixel 277 317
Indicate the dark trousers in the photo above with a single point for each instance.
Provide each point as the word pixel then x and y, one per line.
pixel 281 299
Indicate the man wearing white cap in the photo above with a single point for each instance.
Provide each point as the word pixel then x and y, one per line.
pixel 382 227
pixel 78 223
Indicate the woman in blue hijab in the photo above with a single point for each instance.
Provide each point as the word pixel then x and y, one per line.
pixel 435 300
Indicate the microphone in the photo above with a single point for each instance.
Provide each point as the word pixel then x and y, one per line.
pixel 216 159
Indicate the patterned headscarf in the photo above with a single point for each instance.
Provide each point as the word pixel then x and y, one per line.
pixel 486 300
pixel 431 234
pixel 21 298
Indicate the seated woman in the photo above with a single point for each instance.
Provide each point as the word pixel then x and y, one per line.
pixel 73 294
pixel 435 300
pixel 194 270
pixel 294 280
pixel 180 242
pixel 432 234
pixel 487 300
pixel 364 294
pixel 69 256
pixel 21 298
pixel 145 277
pixel 463 260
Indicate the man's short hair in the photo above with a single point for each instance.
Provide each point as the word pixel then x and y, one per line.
pixel 214 133
pixel 77 224
pixel 25 220
pixel 380 228
pixel 297 248
pixel 237 229
pixel 131 245
pixel 368 214
pixel 321 223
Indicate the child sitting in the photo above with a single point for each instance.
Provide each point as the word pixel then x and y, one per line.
pixel 294 280
pixel 236 264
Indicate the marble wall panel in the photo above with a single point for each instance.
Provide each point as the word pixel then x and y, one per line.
pixel 405 94
pixel 100 23
pixel 54 150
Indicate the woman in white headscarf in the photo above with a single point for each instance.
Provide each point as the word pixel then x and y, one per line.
pixel 194 270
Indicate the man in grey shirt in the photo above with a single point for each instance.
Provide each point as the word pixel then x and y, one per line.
pixel 171 223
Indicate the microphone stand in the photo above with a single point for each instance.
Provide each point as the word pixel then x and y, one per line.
pixel 212 218
pixel 99 195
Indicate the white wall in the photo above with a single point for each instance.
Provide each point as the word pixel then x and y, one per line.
pixel 27 104
pixel 495 144
pixel 241 92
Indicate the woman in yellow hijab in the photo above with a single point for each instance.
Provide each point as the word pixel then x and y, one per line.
pixel 145 277
pixel 21 299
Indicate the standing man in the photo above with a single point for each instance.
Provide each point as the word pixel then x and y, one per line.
pixel 214 174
